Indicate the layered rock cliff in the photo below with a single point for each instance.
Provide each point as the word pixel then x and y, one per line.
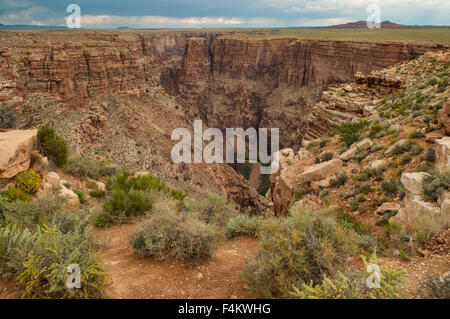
pixel 107 92
pixel 271 83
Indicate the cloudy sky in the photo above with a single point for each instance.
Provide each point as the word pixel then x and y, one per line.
pixel 221 13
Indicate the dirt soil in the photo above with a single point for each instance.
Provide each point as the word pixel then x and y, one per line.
pixel 136 277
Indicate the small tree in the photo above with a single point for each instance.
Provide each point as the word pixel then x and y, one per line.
pixel 351 132
pixel 53 146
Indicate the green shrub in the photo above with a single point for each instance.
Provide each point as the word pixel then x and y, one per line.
pixel 97 193
pixel 402 148
pixel 389 187
pixel 215 209
pixel 436 287
pixel 14 193
pixel 122 205
pixel 242 225
pixel 8 117
pixel 430 155
pixel 53 146
pixel 339 179
pixel 15 243
pixel 361 154
pixel 354 205
pixel 298 194
pixel 100 217
pixel 326 156
pixel 415 135
pixel 131 196
pixel 28 181
pixel 324 193
pixel 81 195
pixel 83 167
pixel 351 132
pixel 44 269
pixel 39 243
pixel 435 185
pixel 168 234
pixel 374 129
pixel 350 221
pixel 365 189
pixel 353 285
pixel 301 248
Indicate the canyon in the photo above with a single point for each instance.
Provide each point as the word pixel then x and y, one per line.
pixel 118 95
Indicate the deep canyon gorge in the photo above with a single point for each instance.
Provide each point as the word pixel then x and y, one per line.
pixel 119 95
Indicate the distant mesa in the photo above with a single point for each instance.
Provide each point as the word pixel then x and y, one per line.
pixel 123 28
pixel 384 25
pixel 31 27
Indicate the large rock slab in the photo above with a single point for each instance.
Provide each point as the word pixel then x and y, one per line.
pixel 417 211
pixel 15 150
pixel 320 171
pixel 53 179
pixel 443 153
pixel 413 182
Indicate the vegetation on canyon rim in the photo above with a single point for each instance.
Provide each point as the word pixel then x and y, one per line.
pixel 307 253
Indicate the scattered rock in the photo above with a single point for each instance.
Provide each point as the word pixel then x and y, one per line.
pixel 349 154
pixel 101 186
pixel 45 188
pixel 377 163
pixel 319 171
pixel 363 145
pixel 72 200
pixel 387 207
pixel 53 179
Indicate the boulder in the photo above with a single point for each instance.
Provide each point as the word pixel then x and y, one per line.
pixel 363 145
pixel 303 154
pixel 15 149
pixel 377 163
pixel 44 189
pixel 413 182
pixel 53 179
pixel 282 191
pixel 101 186
pixel 387 207
pixel 355 147
pixel 416 211
pixel 443 153
pixel 320 171
pixel 349 154
pixel 390 149
pixel 72 200
pixel 324 183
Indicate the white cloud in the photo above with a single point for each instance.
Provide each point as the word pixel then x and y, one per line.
pixel 108 21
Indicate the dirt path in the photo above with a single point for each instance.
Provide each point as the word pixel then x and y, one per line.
pixel 136 277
